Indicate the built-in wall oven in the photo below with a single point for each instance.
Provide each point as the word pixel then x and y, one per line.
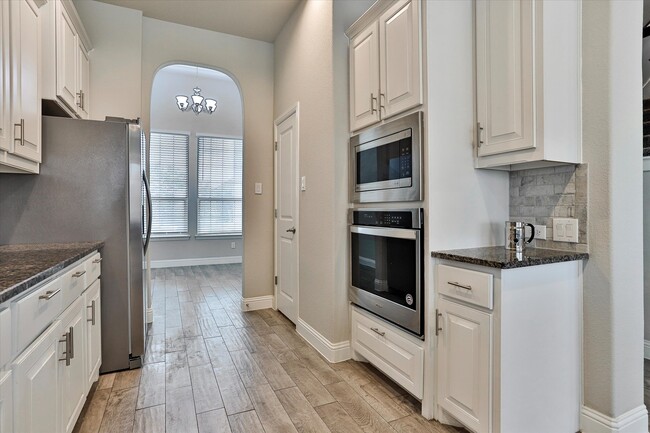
pixel 386 162
pixel 387 265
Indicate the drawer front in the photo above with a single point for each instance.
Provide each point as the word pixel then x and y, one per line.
pixel 469 286
pixel 93 268
pixel 74 283
pixel 396 355
pixel 5 337
pixel 37 311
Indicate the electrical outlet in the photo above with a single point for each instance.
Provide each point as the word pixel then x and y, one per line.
pixel 540 232
pixel 233 245
pixel 565 230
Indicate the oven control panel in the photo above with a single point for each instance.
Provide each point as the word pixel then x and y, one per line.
pixel 406 219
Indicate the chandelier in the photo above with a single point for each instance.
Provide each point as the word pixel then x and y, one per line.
pixel 199 103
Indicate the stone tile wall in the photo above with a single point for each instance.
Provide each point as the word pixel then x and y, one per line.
pixel 538 195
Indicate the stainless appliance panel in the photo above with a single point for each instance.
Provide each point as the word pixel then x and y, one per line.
pixel 81 194
pixel 401 189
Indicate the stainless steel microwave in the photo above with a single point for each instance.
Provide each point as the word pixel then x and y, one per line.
pixel 386 162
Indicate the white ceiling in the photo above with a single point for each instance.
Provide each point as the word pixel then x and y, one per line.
pixel 254 19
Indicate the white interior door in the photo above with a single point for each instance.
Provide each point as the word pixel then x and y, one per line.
pixel 286 196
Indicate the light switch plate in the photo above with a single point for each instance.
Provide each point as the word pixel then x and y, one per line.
pixel 258 188
pixel 565 230
pixel 540 232
pixel 303 183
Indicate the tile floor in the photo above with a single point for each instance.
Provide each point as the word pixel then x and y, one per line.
pixel 211 368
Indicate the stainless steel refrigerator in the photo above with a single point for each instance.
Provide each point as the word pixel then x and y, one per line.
pixel 90 188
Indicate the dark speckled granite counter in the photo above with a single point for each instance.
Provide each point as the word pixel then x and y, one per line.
pixel 499 257
pixel 24 266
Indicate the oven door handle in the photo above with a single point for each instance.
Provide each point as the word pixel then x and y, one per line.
pixel 386 232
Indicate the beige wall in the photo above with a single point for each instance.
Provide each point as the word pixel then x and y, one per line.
pixel 250 64
pixel 612 141
pixel 311 68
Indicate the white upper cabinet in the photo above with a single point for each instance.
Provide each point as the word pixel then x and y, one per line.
pixel 400 58
pixel 25 79
pixel 66 66
pixel 364 77
pixel 66 57
pixel 385 62
pixel 5 75
pixel 528 89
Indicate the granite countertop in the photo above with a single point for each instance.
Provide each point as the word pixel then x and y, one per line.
pixel 499 257
pixel 24 266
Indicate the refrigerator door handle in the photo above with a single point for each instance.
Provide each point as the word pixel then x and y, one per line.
pixel 149 217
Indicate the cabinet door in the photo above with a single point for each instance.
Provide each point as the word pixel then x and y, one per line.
pixel 36 404
pixel 364 78
pixel 5 84
pixel 73 377
pixel 504 75
pixel 93 332
pixel 464 364
pixel 84 81
pixel 26 65
pixel 6 402
pixel 66 58
pixel 400 55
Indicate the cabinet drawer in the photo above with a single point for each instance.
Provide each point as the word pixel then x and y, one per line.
pixel 465 285
pixel 5 337
pixel 93 268
pixel 388 349
pixel 36 311
pixel 74 283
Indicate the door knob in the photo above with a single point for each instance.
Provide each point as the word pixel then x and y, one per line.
pixel 292 230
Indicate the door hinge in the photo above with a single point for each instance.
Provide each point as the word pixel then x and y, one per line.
pixel 275 280
pixel 479 134
pixel 438 328
pixel 275 213
pixel 276 145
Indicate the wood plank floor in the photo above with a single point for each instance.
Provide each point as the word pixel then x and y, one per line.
pixel 211 368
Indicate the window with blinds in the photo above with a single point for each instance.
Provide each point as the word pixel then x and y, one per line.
pixel 169 169
pixel 219 186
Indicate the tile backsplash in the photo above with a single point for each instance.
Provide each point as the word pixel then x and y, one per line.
pixel 539 195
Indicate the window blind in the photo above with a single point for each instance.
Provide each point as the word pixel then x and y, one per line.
pixel 219 186
pixel 169 169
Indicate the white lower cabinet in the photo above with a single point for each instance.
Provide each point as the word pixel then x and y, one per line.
pixel 464 342
pixel 72 373
pixel 36 397
pixel 52 376
pixel 93 332
pixel 509 346
pixel 6 402
pixel 399 355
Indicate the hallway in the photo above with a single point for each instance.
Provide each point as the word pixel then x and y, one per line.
pixel 211 368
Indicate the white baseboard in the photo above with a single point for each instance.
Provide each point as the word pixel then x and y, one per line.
pixel 633 421
pixel 333 352
pixel 156 264
pixel 257 303
pixel 646 349
pixel 149 315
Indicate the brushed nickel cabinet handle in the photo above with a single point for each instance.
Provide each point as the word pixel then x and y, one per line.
pixel 78 274
pixel 382 106
pixel 377 331
pixel 92 317
pixel 79 104
pixel 461 286
pixel 97 260
pixel 479 134
pixel 373 100
pixel 49 294
pixel 21 140
pixel 438 316
pixel 66 352
pixel 71 333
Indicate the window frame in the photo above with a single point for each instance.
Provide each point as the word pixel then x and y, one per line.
pixel 171 235
pixel 222 235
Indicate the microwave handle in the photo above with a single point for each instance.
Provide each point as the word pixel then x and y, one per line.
pixel 386 232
